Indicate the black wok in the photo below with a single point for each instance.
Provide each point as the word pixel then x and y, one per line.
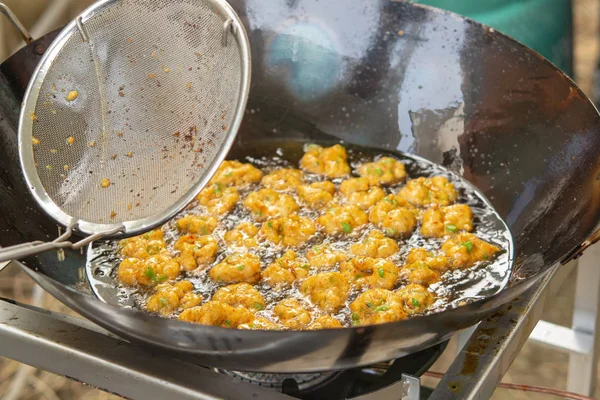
pixel 383 74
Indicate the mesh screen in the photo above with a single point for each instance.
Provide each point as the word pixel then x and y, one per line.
pixel 156 96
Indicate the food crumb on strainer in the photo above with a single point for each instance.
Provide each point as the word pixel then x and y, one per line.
pixel 70 140
pixel 35 141
pixel 105 183
pixel 32 116
pixel 92 144
pixel 72 95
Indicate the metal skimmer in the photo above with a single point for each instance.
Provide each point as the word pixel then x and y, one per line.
pixel 129 114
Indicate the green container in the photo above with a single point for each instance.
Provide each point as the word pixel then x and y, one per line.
pixel 543 25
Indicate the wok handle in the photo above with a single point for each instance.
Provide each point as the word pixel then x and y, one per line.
pixel 578 251
pixel 23 250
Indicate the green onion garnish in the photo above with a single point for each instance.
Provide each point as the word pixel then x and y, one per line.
pixel 347 228
pixel 468 245
pixel 451 228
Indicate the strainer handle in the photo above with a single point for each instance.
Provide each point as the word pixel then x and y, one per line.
pixel 4 9
pixel 23 250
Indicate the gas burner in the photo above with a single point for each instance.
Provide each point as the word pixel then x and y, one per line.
pixel 278 381
pixel 344 384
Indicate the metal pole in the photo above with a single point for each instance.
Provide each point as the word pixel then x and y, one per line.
pixel 586 320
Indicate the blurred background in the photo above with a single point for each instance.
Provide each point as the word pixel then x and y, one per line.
pixel 564 31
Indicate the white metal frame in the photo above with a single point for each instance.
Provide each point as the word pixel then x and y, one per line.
pixel 581 341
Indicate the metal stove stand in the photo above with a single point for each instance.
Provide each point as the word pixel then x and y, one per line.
pixel 81 350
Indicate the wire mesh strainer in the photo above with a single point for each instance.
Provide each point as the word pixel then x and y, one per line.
pixel 129 113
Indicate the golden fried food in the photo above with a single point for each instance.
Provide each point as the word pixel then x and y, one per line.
pixel 218 199
pixel 217 314
pixel 197 224
pixel 420 273
pixel 237 268
pixel 234 173
pixel 317 195
pixel 394 216
pixel 261 323
pixel 286 270
pixel 400 222
pixel 437 262
pixel 377 306
pixel 143 246
pixel 370 272
pixel 189 300
pixel 289 231
pixel 423 267
pixel 148 271
pixel 385 171
pixel 390 202
pixel 327 290
pixel 196 251
pixel 415 298
pixel 342 219
pixel 317 247
pixel 375 245
pixel 243 235
pixel 275 275
pixel 426 191
pixel 283 179
pixel 324 322
pixel 465 249
pixel 331 161
pixel 164 302
pixel 358 191
pixel 444 221
pixel 169 297
pixel 240 295
pixel 323 256
pixel 291 314
pixel 267 203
